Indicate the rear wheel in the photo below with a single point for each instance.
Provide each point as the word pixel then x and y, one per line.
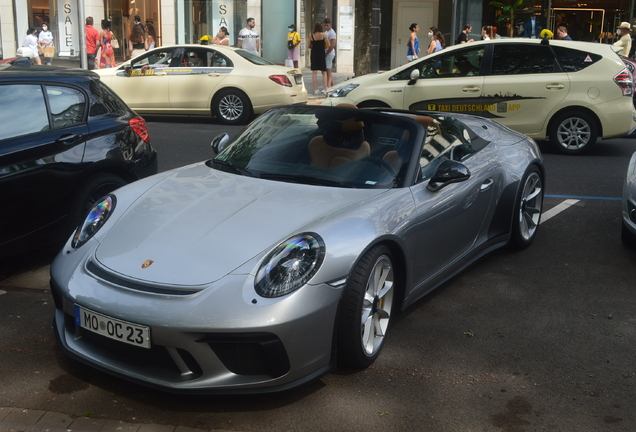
pixel 232 107
pixel 366 309
pixel 527 211
pixel 573 132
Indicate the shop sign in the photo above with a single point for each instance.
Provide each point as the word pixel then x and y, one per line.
pixel 68 28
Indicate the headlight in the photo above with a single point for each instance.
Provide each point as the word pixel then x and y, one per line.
pixel 96 218
pixel 342 91
pixel 290 265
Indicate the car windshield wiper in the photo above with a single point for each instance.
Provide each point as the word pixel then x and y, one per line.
pixel 303 179
pixel 236 169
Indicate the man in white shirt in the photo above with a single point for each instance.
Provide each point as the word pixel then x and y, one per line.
pixel 625 41
pixel 330 52
pixel 248 38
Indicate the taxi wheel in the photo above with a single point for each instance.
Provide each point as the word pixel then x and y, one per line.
pixel 232 107
pixel 573 132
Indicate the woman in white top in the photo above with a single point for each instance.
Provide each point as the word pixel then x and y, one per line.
pixel 151 36
pixel 31 41
pixel 45 39
pixel 222 37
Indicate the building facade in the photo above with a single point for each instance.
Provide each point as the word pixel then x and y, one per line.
pixel 186 21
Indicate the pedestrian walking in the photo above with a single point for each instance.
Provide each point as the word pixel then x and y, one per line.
pixel 221 37
pixel 92 43
pixel 487 33
pixel 293 41
pixel 248 38
pixel 413 45
pixel 463 35
pixel 317 43
pixel 625 40
pixel 562 33
pixel 330 52
pixel 136 41
pixel 437 44
pixel 45 42
pixel 31 42
pixel 151 37
pixel 107 57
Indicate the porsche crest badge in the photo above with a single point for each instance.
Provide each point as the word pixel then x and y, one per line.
pixel 147 264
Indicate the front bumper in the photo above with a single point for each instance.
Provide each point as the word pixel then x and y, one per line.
pixel 214 341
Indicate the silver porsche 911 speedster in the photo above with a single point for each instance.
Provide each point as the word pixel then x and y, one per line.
pixel 289 252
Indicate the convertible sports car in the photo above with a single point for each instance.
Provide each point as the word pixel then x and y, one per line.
pixel 229 83
pixel 291 250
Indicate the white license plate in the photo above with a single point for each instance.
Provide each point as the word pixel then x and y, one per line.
pixel 299 79
pixel 112 328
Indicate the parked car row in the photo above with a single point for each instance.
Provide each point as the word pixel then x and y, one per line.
pixel 569 92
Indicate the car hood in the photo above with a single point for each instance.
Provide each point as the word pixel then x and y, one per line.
pixel 199 224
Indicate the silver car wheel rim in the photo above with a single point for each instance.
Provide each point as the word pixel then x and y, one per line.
pixel 574 133
pixel 376 306
pixel 530 208
pixel 231 107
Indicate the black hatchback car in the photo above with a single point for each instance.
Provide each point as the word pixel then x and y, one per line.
pixel 66 140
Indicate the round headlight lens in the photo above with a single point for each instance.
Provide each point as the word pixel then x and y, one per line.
pixel 95 219
pixel 290 265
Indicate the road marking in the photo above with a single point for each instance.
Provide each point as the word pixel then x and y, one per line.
pixel 584 197
pixel 558 209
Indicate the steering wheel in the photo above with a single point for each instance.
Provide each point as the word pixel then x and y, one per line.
pixel 381 163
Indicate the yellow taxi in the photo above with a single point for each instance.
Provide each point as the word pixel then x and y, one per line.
pixel 569 92
pixel 229 83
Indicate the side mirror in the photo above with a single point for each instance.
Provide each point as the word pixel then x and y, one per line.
pixel 415 75
pixel 449 171
pixel 220 142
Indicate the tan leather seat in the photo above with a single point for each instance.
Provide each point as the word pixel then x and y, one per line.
pixel 325 155
pixel 392 157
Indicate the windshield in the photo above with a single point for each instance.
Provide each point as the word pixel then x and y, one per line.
pixel 324 146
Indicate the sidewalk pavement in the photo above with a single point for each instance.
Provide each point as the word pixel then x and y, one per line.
pixel 24 420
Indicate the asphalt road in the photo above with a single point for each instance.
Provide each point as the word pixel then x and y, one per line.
pixel 538 340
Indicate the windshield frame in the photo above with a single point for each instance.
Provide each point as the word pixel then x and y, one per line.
pixel 277 145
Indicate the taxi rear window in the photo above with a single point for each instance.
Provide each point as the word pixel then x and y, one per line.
pixel 572 60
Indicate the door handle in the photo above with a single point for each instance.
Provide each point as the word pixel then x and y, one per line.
pixel 160 74
pixel 69 138
pixel 214 74
pixel 486 185
pixel 555 86
pixel 471 89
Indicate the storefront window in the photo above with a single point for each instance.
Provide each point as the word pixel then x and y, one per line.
pixel 205 17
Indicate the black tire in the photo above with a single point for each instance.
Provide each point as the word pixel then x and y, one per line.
pixel 92 190
pixel 527 210
pixel 573 132
pixel 232 107
pixel 628 238
pixel 366 305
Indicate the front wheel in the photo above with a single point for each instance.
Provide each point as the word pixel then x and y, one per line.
pixel 573 132
pixel 527 210
pixel 232 107
pixel 366 309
